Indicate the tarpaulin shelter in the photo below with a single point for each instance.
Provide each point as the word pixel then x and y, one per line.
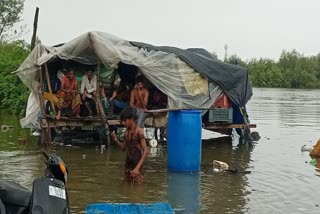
pixel 191 78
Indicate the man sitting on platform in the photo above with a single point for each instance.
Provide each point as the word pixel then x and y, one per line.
pixel 120 97
pixel 68 95
pixel 88 91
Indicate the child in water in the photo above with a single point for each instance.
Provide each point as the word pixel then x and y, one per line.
pixel 135 144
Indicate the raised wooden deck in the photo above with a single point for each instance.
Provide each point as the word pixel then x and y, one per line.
pixel 211 126
pixel 78 122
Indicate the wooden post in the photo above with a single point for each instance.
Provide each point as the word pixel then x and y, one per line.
pixel 43 124
pixel 98 100
pixel 247 131
pixel 35 26
pixel 49 87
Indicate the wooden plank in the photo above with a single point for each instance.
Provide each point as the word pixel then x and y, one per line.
pixel 228 126
pixel 79 123
pixel 174 109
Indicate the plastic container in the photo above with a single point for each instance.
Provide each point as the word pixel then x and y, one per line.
pixel 184 140
pixel 132 208
pixel 221 115
pixel 222 102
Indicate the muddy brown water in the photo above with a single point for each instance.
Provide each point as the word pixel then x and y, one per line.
pixel 281 180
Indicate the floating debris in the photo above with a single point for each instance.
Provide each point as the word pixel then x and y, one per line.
pixel 5 128
pixel 219 166
pixel 304 148
pixel 22 140
pixel 153 142
pixel 255 136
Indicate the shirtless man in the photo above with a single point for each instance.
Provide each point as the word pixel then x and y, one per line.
pixel 135 144
pixel 139 100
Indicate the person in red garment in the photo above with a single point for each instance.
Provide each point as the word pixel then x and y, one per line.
pixel 68 95
pixel 135 144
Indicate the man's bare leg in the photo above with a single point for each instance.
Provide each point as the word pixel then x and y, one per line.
pixel 88 107
pixel 58 116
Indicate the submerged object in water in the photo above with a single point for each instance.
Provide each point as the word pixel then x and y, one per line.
pixel 153 142
pixel 255 136
pixel 219 166
pixel 5 128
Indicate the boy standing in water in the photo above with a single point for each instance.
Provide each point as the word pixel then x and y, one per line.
pixel 135 144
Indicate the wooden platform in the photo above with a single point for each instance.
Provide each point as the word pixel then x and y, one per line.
pixel 210 126
pixel 79 122
pixel 226 128
pixel 114 120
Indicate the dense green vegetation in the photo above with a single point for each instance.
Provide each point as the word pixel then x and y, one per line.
pixel 292 70
pixel 13 92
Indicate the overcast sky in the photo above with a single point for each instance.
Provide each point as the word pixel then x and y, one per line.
pixel 250 28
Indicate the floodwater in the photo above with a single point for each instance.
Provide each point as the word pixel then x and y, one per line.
pixel 281 180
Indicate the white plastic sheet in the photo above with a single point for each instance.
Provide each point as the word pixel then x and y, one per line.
pixel 185 87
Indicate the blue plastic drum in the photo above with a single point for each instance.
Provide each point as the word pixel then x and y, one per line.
pixel 184 140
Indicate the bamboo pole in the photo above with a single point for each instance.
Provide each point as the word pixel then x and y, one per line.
pixel 40 90
pixel 98 100
pixel 44 129
pixel 99 103
pixel 49 87
pixel 35 26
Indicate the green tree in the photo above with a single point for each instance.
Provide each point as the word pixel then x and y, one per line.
pixel 13 92
pixel 10 14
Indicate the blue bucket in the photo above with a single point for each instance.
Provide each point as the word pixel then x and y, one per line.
pixel 184 140
pixel 132 208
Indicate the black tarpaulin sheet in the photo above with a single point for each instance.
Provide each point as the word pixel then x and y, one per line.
pixel 233 79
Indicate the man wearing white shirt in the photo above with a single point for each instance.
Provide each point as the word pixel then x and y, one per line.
pixel 88 90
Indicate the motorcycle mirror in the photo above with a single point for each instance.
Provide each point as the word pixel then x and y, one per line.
pixel 55 166
pixel 45 154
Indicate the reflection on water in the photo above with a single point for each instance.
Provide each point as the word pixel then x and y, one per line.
pixel 282 180
pixel 184 191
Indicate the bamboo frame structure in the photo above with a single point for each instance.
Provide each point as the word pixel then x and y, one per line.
pixel 49 87
pixel 45 127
